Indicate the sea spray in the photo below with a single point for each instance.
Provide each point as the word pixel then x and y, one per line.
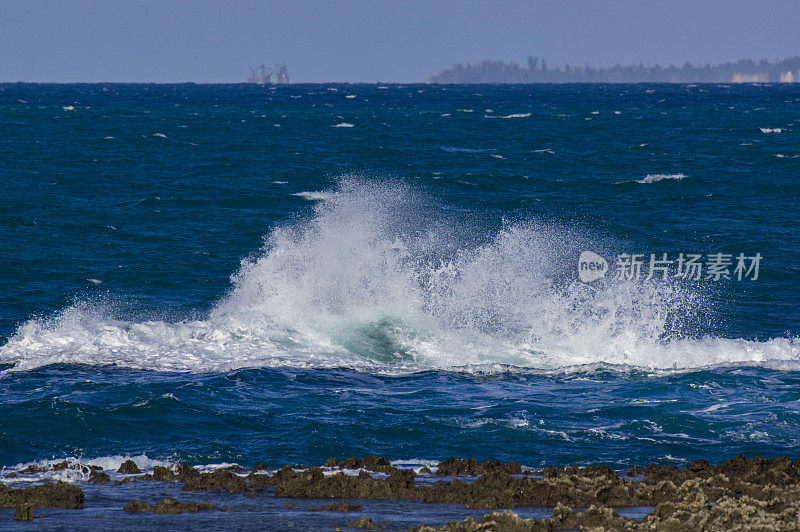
pixel 376 280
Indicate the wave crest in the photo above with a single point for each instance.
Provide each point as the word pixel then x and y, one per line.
pixel 375 281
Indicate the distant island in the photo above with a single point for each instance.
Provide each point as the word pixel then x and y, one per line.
pixel 538 71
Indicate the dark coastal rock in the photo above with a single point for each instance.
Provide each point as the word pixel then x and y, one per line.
pixel 61 466
pixel 168 506
pixel 171 506
pixel 312 483
pixel 186 472
pixel 378 464
pixel 471 467
pixel 129 467
pixel 341 506
pixel 563 518
pixel 573 487
pixel 137 506
pixel 160 473
pixel 365 523
pixel 263 480
pixel 47 495
pixel 779 471
pixel 32 470
pixel 220 479
pixel 740 494
pixel 98 477
pixel 23 512
pixel 492 490
pixel 401 479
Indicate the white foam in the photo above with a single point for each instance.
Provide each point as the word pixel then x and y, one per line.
pixel 654 178
pixel 767 130
pixel 375 281
pixel 74 472
pixel 160 135
pixel 344 124
pixel 311 196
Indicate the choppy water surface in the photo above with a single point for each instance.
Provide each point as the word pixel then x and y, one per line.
pixel 243 274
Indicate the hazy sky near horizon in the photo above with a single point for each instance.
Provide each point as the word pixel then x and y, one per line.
pixel 359 40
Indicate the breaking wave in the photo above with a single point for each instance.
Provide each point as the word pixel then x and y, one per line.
pixel 654 178
pixel 375 281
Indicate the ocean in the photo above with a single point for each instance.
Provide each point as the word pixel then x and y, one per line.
pixel 234 274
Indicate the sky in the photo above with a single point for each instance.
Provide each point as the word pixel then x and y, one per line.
pixel 373 41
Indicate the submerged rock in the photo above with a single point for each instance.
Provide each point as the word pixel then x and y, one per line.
pixel 365 523
pixel 168 506
pixel 341 506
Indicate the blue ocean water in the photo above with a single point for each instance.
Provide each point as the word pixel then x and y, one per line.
pixel 286 274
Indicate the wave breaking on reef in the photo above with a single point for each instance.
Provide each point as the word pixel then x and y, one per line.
pixel 374 281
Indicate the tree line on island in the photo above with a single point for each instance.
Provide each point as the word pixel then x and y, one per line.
pixel 538 71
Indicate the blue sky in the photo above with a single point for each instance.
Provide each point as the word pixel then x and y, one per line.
pixel 356 40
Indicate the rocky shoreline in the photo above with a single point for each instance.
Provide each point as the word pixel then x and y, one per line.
pixel 738 494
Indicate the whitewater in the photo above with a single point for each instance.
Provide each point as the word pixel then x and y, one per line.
pixel 379 277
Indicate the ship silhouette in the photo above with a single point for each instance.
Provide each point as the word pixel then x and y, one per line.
pixel 263 75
